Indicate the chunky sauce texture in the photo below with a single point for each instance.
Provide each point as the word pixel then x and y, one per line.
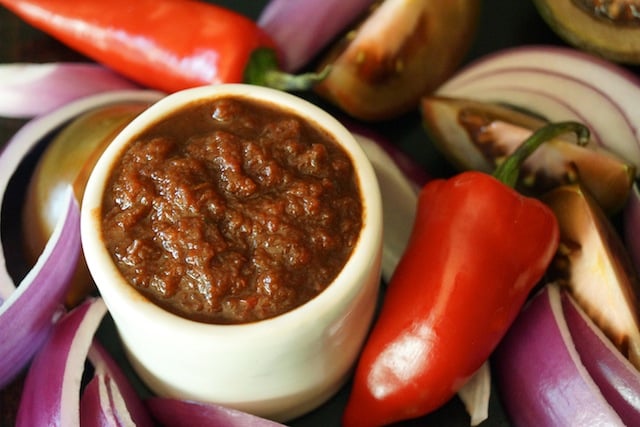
pixel 232 211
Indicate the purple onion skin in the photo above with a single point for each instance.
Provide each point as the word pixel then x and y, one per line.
pixel 539 375
pixel 617 378
pixel 551 50
pixel 618 89
pixel 27 321
pixel 51 390
pixel 23 96
pixel 104 363
pixel 181 413
pixel 92 413
pixel 302 28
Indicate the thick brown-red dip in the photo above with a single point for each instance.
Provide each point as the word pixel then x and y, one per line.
pixel 232 211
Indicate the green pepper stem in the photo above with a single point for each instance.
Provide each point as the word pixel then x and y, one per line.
pixel 263 70
pixel 509 170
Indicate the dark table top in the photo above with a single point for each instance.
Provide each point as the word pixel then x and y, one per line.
pixel 503 24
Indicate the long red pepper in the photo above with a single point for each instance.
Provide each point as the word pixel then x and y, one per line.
pixel 477 250
pixel 163 44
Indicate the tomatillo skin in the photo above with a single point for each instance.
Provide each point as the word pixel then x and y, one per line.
pixel 477 250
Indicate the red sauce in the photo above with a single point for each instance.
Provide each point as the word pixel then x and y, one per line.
pixel 232 211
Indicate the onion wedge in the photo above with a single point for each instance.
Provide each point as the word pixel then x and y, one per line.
pixel 541 379
pixel 399 198
pixel 618 379
pixel 304 27
pixel 110 381
pixel 475 394
pixel 97 408
pixel 36 315
pixel 51 391
pixel 183 413
pixel 29 89
pixel 35 131
pixel 27 316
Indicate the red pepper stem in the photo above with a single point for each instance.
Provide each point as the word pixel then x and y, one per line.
pixel 263 70
pixel 509 170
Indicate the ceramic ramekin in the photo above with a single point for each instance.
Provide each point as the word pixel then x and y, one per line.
pixel 278 368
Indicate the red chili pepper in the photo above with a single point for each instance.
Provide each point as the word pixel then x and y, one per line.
pixel 477 250
pixel 163 44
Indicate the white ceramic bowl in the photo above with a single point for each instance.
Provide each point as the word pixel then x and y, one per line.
pixel 277 368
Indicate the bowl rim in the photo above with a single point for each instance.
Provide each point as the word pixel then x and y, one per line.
pixel 346 285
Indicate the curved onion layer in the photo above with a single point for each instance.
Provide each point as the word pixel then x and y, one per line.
pixel 399 188
pixel 104 404
pixel 35 130
pixel 97 406
pixel 182 413
pixel 475 395
pixel 539 373
pixel 27 316
pixel 303 27
pixel 38 297
pixel 28 90
pixel 51 391
pixel 110 381
pixel 618 379
pixel 413 172
pixel 560 84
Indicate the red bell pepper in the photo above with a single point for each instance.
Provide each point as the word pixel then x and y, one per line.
pixel 477 250
pixel 167 45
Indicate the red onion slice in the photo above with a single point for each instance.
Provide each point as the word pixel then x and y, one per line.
pixel 539 373
pixel 400 178
pixel 27 316
pixel 96 409
pixel 51 391
pixel 617 378
pixel 35 314
pixel 303 27
pixel 475 394
pixel 128 404
pixel 28 89
pixel 558 59
pixel 399 202
pixel 560 83
pixel 181 413
pixel 393 156
pixel 102 404
pixel 34 131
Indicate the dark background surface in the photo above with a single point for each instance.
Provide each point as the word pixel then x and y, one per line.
pixel 503 24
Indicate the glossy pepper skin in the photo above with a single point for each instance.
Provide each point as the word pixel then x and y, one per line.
pixel 162 44
pixel 477 250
